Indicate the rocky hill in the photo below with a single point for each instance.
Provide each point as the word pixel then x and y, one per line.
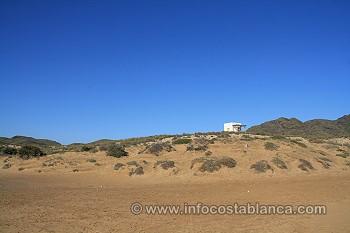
pixel 23 140
pixel 314 128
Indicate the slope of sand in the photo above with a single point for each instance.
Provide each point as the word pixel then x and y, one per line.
pixel 71 194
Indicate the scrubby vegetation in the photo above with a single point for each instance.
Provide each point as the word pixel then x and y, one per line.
pixel 165 164
pixel 119 166
pixel 136 171
pixel 305 165
pixel 343 154
pixel 198 144
pixel 6 166
pixel 27 152
pixel 157 148
pixel 132 163
pixel 270 146
pixel 211 164
pixel 91 160
pixel 116 151
pixel 311 129
pixel 279 163
pixel 7 150
pixel 298 142
pixel 246 137
pixel 182 141
pixel 261 166
pixel 324 163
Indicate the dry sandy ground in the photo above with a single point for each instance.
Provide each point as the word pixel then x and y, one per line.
pixel 98 198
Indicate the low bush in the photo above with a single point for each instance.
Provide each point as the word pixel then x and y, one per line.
pixel 27 152
pixel 325 159
pixel 343 155
pixel 157 148
pixel 165 164
pixel 132 163
pixel 305 165
pixel 247 138
pixel 199 144
pixel 6 166
pixel 211 164
pixel 91 160
pixel 324 163
pixel 182 141
pixel 118 166
pixel 6 150
pixel 271 146
pixel 116 151
pixel 86 148
pixel 278 137
pixel 261 166
pixel 279 163
pixel 137 171
pixel 298 143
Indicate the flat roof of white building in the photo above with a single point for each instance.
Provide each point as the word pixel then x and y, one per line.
pixel 233 123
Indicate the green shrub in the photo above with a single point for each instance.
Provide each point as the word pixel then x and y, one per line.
pixel 279 163
pixel 116 151
pixel 298 143
pixel 27 152
pixel 91 160
pixel 86 148
pixel 278 137
pixel 247 138
pixel 165 164
pixel 6 150
pixel 137 171
pixel 6 166
pixel 261 166
pixel 343 155
pixel 132 163
pixel 211 164
pixel 118 166
pixel 157 148
pixel 324 163
pixel 199 144
pixel 305 165
pixel 182 141
pixel 271 146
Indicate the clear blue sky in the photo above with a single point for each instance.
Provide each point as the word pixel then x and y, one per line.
pixel 78 71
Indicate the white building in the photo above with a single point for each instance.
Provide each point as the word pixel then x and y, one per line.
pixel 233 127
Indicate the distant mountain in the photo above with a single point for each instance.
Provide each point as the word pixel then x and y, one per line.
pixel 295 127
pixel 22 140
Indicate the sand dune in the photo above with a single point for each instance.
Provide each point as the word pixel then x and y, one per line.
pixel 86 192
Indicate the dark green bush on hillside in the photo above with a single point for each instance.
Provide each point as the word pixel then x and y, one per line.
pixel 271 146
pixel 27 152
pixel 86 148
pixel 116 151
pixel 182 141
pixel 6 150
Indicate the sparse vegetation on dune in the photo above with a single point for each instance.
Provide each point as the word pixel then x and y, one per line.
pixel 116 151
pixel 211 164
pixel 137 171
pixel 165 164
pixel 119 166
pixel 27 152
pixel 158 148
pixel 261 166
pixel 270 146
pixel 182 141
pixel 305 165
pixel 7 150
pixel 279 163
pixel 199 144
